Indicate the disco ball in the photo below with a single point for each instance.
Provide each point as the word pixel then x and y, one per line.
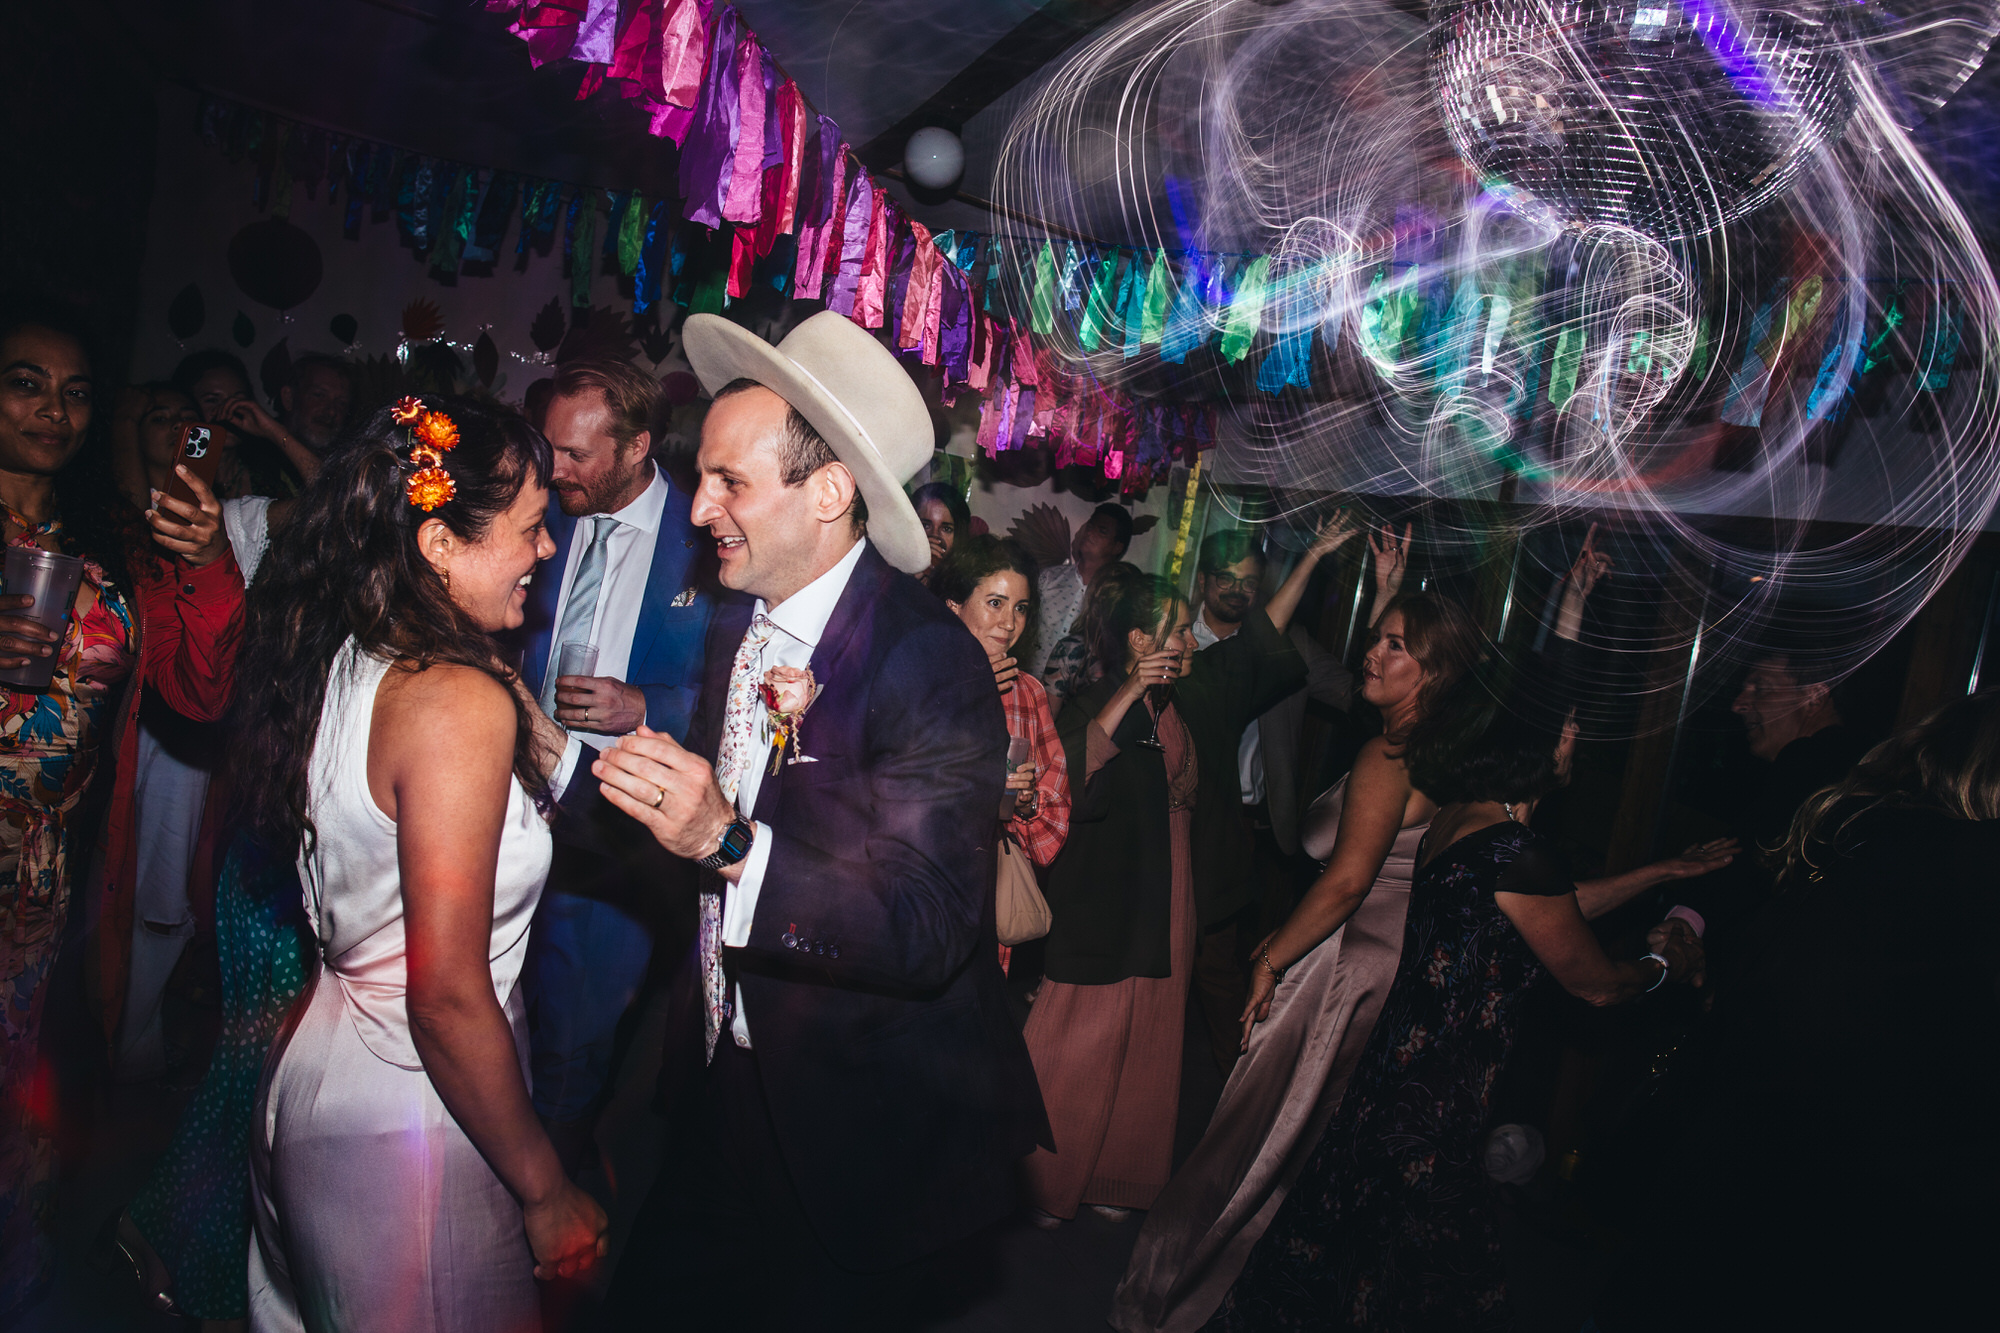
pixel 1669 118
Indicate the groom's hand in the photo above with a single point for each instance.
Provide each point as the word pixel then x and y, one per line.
pixel 672 792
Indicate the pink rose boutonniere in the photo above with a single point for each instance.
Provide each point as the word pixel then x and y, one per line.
pixel 788 693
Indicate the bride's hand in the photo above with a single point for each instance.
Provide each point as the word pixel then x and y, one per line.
pixel 567 1233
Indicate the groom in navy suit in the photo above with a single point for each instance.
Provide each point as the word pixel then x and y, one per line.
pixel 848 1092
pixel 623 581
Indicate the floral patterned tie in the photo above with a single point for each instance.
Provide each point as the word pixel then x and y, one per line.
pixel 739 732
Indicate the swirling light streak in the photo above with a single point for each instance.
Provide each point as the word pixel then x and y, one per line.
pixel 1766 303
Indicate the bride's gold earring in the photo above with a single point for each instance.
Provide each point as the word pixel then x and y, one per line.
pixel 447 580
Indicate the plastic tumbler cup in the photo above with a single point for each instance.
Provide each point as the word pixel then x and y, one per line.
pixel 52 580
pixel 577 659
pixel 1019 751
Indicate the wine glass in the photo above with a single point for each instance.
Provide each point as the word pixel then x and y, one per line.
pixel 1159 696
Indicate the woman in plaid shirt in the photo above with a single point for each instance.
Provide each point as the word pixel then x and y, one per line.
pixel 989 583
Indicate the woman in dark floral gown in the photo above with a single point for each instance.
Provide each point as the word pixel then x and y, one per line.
pixel 1391 1225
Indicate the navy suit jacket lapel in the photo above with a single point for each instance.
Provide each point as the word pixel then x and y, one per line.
pixel 837 656
pixel 543 595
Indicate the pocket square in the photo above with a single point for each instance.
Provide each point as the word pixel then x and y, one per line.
pixel 685 597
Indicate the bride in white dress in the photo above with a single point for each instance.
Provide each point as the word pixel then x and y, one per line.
pixel 400 1179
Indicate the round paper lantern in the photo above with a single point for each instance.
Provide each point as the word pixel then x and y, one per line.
pixel 934 158
pixel 680 388
pixel 275 263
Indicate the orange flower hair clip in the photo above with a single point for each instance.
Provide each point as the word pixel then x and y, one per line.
pixel 432 435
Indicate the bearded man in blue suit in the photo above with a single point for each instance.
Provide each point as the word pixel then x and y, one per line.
pixel 625 582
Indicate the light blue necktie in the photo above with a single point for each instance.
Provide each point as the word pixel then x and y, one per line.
pixel 580 613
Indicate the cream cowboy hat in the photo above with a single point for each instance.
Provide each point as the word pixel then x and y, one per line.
pixel 856 396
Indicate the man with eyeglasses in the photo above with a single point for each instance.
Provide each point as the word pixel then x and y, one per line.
pixel 1228 583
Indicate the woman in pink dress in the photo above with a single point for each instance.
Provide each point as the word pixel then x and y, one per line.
pixel 1321 979
pixel 1346 936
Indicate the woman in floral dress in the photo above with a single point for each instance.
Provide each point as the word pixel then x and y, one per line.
pixel 167 605
pixel 1391 1224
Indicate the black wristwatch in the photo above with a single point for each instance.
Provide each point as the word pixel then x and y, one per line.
pixel 734 847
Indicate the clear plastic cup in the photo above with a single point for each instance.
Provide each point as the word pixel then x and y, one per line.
pixel 52 580
pixel 577 659
pixel 1019 751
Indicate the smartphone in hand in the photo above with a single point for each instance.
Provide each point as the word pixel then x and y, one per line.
pixel 201 453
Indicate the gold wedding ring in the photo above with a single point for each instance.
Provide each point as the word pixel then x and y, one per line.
pixel 586 715
pixel 661 797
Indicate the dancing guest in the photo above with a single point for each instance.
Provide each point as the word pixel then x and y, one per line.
pixel 625 583
pixel 1257 890
pixel 1338 953
pixel 946 521
pixel 1390 1223
pixel 177 624
pixel 1800 744
pixel 988 582
pixel 1281 1093
pixel 1148 828
pixel 847 1090
pixel 1805 1195
pixel 1102 540
pixel 399 1176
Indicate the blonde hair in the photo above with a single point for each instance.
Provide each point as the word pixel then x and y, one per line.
pixel 1949 763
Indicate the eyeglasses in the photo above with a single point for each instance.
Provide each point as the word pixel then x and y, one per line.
pixel 1229 582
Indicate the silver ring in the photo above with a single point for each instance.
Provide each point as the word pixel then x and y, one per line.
pixel 661 797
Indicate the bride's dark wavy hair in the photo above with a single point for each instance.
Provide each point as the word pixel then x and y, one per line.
pixel 347 563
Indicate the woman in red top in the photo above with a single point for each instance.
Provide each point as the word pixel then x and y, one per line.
pixel 167 601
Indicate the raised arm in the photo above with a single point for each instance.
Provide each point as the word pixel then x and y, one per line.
pixel 1333 534
pixel 1591 565
pixel 449 818
pixel 193 607
pixel 1392 561
pixel 1595 897
pixel 1378 796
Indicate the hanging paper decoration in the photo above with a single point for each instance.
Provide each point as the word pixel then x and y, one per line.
pixel 485 359
pixel 242 330
pixel 546 333
pixel 344 327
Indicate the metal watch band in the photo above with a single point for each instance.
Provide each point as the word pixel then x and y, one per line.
pixel 734 847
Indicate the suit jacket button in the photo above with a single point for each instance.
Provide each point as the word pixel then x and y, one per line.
pixel 789 940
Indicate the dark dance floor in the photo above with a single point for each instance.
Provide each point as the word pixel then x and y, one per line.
pixel 1031 1281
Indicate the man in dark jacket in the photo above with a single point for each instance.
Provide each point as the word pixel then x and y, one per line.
pixel 847 1090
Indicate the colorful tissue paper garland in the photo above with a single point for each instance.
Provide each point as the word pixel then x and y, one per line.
pixel 758 163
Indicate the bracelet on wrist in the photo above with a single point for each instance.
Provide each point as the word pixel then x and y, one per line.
pixel 1264 957
pixel 1665 967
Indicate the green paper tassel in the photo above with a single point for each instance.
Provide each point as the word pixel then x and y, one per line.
pixel 1246 312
